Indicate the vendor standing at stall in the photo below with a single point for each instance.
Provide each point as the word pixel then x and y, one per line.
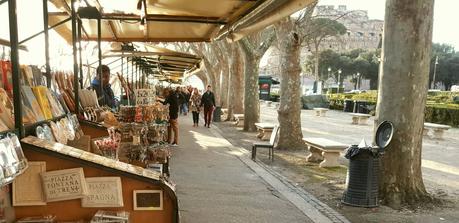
pixel 105 94
pixel 172 99
pixel 208 101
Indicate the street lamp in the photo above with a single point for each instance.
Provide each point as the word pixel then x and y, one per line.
pixel 329 69
pixel 358 80
pixel 339 79
pixel 435 72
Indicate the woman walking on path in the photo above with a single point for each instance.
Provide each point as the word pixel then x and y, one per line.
pixel 195 102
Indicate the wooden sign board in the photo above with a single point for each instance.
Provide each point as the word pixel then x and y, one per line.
pixel 62 185
pixel 103 192
pixel 144 96
pixel 27 188
pixel 148 200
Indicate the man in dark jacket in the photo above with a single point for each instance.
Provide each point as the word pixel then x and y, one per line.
pixel 105 94
pixel 208 101
pixel 173 100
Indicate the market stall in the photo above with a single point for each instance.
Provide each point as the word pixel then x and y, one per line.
pixel 63 156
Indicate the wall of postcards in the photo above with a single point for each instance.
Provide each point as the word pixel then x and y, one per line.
pixel 139 137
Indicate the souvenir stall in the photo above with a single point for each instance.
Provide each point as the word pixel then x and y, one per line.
pixel 114 170
pixel 66 158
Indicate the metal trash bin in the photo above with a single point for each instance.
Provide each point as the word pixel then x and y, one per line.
pixel 362 177
pixel 348 105
pixel 361 107
pixel 217 115
pixel 362 181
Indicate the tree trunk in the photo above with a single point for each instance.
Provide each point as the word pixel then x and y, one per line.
pixel 214 80
pixel 316 61
pixel 224 86
pixel 204 79
pixel 236 91
pixel 251 94
pixel 402 98
pixel 289 112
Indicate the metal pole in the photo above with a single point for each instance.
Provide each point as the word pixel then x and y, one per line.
pixel 435 72
pixel 136 76
pixel 132 73
pixel 99 34
pixel 75 60
pixel 45 27
pixel 15 66
pixel 127 79
pixel 43 31
pixel 80 77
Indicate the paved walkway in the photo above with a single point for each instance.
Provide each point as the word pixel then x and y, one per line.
pixel 217 182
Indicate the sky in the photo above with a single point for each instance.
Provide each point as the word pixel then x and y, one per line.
pixel 444 30
pixel 446 15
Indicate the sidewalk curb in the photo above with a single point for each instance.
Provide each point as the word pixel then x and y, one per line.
pixel 311 207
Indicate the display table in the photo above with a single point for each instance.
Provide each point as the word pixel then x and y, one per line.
pixel 133 179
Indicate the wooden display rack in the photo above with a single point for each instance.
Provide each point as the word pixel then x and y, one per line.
pixel 133 178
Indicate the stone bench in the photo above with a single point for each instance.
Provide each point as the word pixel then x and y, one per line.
pixel 264 130
pixel 359 118
pixel 239 120
pixel 322 112
pixel 276 104
pixel 224 114
pixel 324 150
pixel 438 129
pixel 268 103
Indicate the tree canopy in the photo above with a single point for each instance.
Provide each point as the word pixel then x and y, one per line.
pixel 350 63
pixel 448 65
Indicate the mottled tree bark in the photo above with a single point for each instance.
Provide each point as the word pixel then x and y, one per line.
pixel 224 86
pixel 253 48
pixel 402 97
pixel 201 75
pixel 211 65
pixel 289 112
pixel 251 94
pixel 236 91
pixel 225 58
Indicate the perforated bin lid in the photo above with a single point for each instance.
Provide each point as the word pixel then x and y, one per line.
pixel 384 134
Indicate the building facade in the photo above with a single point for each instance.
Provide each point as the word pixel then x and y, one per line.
pixel 362 33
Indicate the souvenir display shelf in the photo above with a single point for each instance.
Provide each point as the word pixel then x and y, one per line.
pixel 49 167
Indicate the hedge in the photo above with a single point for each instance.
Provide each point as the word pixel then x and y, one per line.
pixel 443 114
pixel 447 114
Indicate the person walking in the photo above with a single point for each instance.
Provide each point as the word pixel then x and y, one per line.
pixel 186 95
pixel 181 98
pixel 208 101
pixel 172 98
pixel 195 106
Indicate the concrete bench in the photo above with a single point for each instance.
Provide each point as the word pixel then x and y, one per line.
pixel 268 103
pixel 264 130
pixel 359 118
pixel 224 114
pixel 276 104
pixel 322 112
pixel 438 129
pixel 324 150
pixel 239 120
